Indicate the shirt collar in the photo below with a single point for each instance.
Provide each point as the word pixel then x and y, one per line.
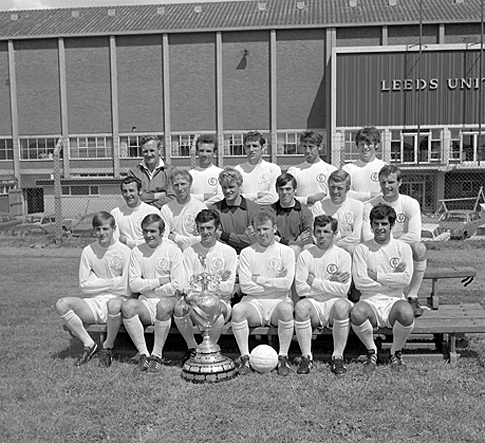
pixel 242 205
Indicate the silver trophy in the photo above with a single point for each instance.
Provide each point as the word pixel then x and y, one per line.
pixel 208 365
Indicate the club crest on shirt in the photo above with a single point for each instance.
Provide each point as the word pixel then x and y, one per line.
pixel 263 178
pixel 348 218
pixel 217 264
pixel 212 181
pixel 275 264
pixel 116 263
pixel 394 261
pixel 375 177
pixel 332 268
pixel 401 218
pixel 189 220
pixel 162 265
pixel 321 178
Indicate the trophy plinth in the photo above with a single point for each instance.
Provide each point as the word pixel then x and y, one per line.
pixel 208 365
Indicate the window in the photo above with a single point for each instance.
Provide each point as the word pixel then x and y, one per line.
pixel 80 190
pixel 6 149
pixel 182 144
pixel 37 148
pixel 350 153
pixel 5 188
pixel 91 147
pixel 233 144
pixel 288 143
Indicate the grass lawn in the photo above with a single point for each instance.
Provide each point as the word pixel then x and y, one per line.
pixel 44 398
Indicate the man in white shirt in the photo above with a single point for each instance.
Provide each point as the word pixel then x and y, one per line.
pixel 156 273
pixel 179 214
pixel 347 211
pixel 313 173
pixel 259 176
pixel 364 172
pixel 322 281
pixel 205 184
pixel 407 227
pixel 103 278
pixel 212 257
pixel 129 216
pixel 266 273
pixel 382 269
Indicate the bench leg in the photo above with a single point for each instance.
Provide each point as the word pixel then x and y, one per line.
pixel 454 356
pixel 435 300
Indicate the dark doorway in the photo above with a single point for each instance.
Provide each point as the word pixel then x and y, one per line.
pixel 35 200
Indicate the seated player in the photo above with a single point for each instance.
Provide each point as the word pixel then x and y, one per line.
pixel 258 174
pixel 313 173
pixel 156 274
pixel 212 257
pixel 179 214
pixel 205 185
pixel 293 219
pixel 103 277
pixel 266 273
pixel 128 217
pixel 364 172
pixel 382 269
pixel 322 281
pixel 407 227
pixel 235 211
pixel 347 211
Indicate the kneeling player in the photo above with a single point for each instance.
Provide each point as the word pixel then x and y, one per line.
pixel 214 258
pixel 382 269
pixel 266 273
pixel 156 274
pixel 103 275
pixel 323 279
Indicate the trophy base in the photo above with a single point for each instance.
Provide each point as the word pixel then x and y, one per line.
pixel 208 367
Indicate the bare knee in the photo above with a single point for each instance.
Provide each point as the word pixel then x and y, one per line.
pixel 359 314
pixel 114 306
pixel 164 309
pixel 403 313
pixel 285 311
pixel 129 308
pixel 303 310
pixel 239 312
pixel 341 309
pixel 63 305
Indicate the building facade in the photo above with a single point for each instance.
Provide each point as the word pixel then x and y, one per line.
pixel 97 79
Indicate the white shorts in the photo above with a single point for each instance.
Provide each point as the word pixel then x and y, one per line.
pixel 264 307
pixel 382 308
pixel 99 307
pixel 151 305
pixel 324 309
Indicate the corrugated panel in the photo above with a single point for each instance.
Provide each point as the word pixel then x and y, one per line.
pixel 362 98
pixel 230 15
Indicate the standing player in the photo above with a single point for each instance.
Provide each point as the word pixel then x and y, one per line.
pixel 212 257
pixel 103 277
pixel 407 227
pixel 153 173
pixel 266 273
pixel 205 184
pixel 312 174
pixel 382 268
pixel 322 281
pixel 156 274
pixel 259 175
pixel 129 216
pixel 179 214
pixel 293 219
pixel 235 211
pixel 364 172
pixel 347 211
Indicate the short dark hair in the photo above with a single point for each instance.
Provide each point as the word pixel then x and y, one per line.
pixel 131 179
pixel 323 220
pixel 154 218
pixel 284 179
pixel 382 211
pixel 313 137
pixel 369 135
pixel 206 215
pixel 102 217
pixel 208 139
pixel 254 136
pixel 387 170
pixel 148 138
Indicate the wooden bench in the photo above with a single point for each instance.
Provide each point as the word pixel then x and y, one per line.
pixel 444 324
pixel 467 275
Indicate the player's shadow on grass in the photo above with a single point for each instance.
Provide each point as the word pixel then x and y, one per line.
pixel 72 351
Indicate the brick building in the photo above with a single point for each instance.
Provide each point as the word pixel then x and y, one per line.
pixel 99 78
